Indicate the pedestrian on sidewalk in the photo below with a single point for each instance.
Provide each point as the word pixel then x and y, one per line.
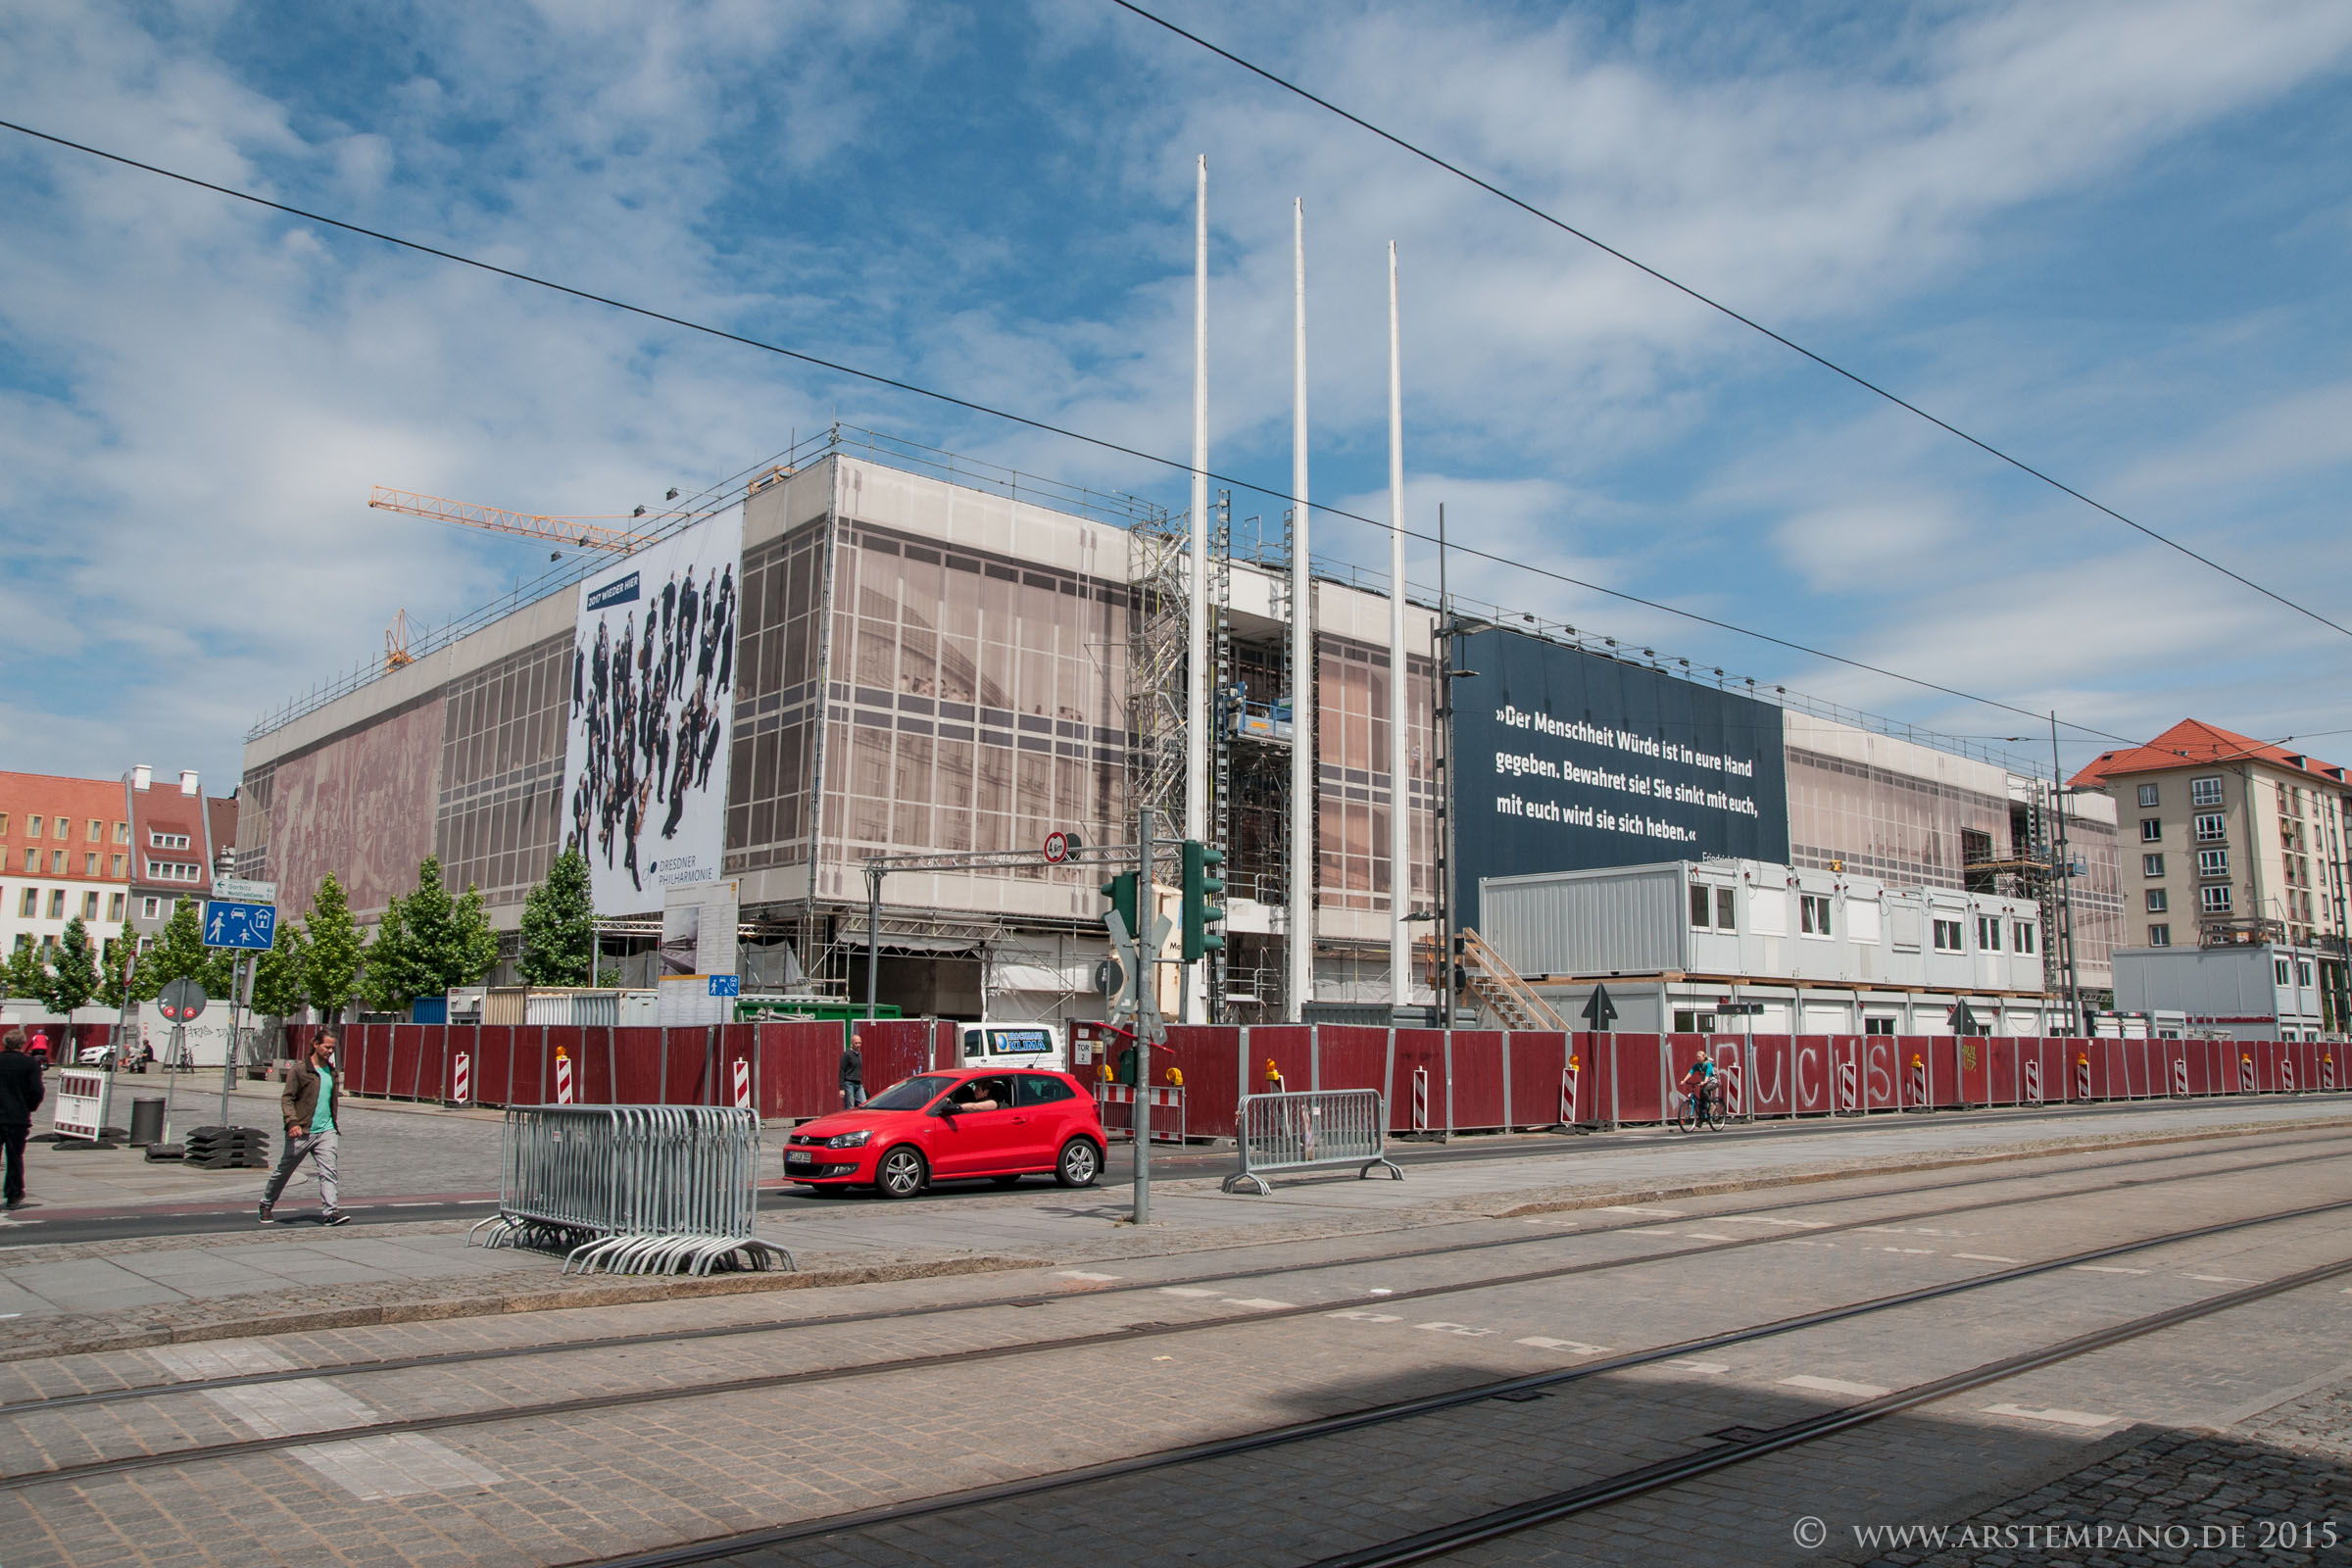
pixel 21 1095
pixel 311 1101
pixel 853 1073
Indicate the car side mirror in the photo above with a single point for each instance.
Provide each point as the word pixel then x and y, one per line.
pixel 945 1107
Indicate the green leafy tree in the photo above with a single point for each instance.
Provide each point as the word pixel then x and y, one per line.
pixel 476 943
pixel 558 926
pixel 281 977
pixel 74 974
pixel 24 975
pixel 180 953
pixel 110 973
pixel 332 948
pixel 428 942
pixel 388 964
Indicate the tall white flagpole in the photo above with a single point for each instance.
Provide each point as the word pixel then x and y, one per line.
pixel 1400 870
pixel 1196 719
pixel 1301 943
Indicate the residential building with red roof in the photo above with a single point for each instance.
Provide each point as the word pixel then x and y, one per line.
pixel 175 835
pixel 2238 841
pixel 64 852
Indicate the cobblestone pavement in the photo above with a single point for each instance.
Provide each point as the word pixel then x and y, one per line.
pixel 1317 1338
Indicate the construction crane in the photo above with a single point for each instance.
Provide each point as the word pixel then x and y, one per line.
pixel 579 533
pixel 396 643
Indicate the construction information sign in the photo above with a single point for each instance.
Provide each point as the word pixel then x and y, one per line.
pixel 1570 760
pixel 653 676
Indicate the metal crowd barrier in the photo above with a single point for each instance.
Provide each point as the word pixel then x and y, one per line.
pixel 632 1189
pixel 1318 1127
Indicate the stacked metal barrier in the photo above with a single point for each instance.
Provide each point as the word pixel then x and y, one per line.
pixel 1318 1127
pixel 632 1189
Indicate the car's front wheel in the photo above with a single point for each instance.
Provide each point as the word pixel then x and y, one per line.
pixel 901 1175
pixel 1080 1163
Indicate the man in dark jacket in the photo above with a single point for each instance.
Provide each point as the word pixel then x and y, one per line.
pixel 21 1095
pixel 312 1103
pixel 853 1074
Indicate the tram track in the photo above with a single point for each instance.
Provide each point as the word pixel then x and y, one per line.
pixel 1566 1503
pixel 1031 1298
pixel 1136 1333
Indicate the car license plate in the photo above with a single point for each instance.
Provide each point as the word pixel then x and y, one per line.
pixel 800 1157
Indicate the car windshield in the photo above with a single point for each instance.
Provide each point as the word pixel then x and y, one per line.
pixel 911 1093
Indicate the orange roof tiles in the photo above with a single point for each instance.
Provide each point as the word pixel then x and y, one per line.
pixel 2193 742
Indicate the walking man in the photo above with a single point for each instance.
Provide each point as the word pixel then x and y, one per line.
pixel 853 1074
pixel 21 1095
pixel 310 1100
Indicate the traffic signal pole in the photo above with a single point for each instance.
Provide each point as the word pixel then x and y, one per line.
pixel 1148 1027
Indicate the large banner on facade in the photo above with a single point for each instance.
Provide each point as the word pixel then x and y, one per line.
pixel 1567 760
pixel 653 676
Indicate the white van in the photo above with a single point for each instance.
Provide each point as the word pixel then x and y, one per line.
pixel 1016 1045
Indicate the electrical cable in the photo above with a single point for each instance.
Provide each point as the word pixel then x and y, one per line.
pixel 953 401
pixel 1713 304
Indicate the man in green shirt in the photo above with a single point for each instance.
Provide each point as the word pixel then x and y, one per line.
pixel 311 1099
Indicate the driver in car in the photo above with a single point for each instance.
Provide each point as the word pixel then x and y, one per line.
pixel 981 1094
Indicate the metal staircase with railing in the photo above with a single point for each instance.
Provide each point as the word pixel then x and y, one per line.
pixel 1505 1000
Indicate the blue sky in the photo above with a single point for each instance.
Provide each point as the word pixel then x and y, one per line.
pixel 2111 239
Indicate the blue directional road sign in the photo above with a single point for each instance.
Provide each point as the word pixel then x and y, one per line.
pixel 726 985
pixel 239 925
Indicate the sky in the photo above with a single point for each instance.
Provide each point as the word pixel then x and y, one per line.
pixel 2108 239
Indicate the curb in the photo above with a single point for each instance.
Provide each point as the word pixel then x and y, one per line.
pixel 1807 1176
pixel 607 1291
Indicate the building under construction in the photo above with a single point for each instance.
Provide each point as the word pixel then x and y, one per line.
pixel 936 656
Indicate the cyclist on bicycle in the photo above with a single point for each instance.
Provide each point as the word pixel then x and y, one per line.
pixel 1699 1082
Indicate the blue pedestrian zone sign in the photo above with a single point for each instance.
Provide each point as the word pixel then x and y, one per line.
pixel 726 985
pixel 239 925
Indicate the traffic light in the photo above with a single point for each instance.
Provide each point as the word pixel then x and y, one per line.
pixel 1120 890
pixel 1200 887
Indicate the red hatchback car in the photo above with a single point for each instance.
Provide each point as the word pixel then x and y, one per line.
pixel 943 1126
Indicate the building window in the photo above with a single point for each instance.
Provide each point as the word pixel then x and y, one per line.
pixel 32 826
pixel 2211 827
pixel 97 830
pixel 89 906
pixel 1813 913
pixel 2160 936
pixel 2303 973
pixel 2205 791
pixel 2147 794
pixel 56 904
pixel 3 822
pixel 149 909
pixel 1988 933
pixel 2212 863
pixel 1726 901
pixel 2283 971
pixel 1702 905
pixel 30 905
pixel 1949 938
pixel 165 841
pixel 2151 830
pixel 113 908
pixel 121 832
pixel 1691 1021
pixel 89 863
pixel 60 827
pixel 2215 900
pixel 2027 936
pixel 2158 901
pixel 57 861
pixel 114 865
pixel 1878 1026
pixel 2151 865
pixel 33 862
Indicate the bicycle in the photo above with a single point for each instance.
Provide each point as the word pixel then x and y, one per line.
pixel 1702 1110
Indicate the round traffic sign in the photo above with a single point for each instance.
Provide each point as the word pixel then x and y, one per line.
pixel 1057 848
pixel 181 999
pixel 1111 977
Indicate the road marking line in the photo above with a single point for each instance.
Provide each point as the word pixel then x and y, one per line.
pixel 1799 1241
pixel 1358 1316
pixel 1701 1366
pixel 1987 1257
pixel 193 1362
pixel 1881 1229
pixel 2104 1268
pixel 5 1315
pixel 412 1205
pixel 1767 1219
pixel 1259 1303
pixel 2063 1418
pixel 1676 1234
pixel 2223 1279
pixel 1082 1274
pixel 1572 1346
pixel 1380 1290
pixel 1866 1390
pixel 1655 1213
pixel 400 1464
pixel 1709 1236
pixel 1186 1289
pixel 1908 1251
pixel 1463 1329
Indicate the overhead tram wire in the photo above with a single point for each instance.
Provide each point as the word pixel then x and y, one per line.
pixel 953 401
pixel 1717 305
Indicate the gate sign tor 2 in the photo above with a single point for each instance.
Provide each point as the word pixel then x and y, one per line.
pixel 239 925
pixel 180 1000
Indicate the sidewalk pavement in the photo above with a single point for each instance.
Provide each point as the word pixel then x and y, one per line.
pixel 153 1289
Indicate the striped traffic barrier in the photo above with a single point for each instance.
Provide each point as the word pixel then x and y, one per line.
pixel 563 1076
pixel 2327 1071
pixel 1727 1082
pixel 1568 1084
pixel 2033 1079
pixel 2082 1076
pixel 1420 1098
pixel 742 1083
pixel 2245 1074
pixel 1919 1082
pixel 2180 1076
pixel 1849 1085
pixel 461 1072
pixel 2286 1073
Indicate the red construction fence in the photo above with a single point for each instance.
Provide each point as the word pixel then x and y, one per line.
pixel 1478 1079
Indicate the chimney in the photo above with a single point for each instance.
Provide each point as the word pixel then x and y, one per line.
pixel 142 776
pixel 188 781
